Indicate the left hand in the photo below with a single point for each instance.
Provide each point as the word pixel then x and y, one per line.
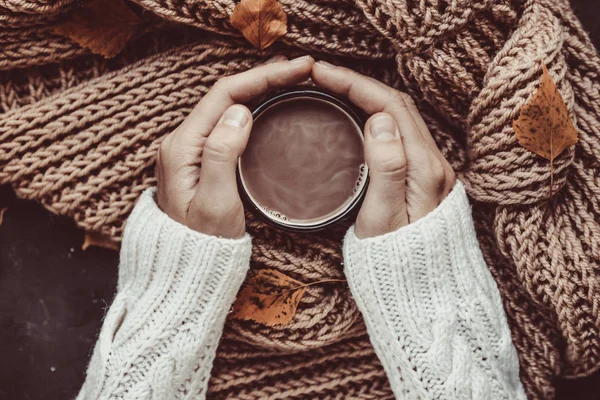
pixel 196 166
pixel 409 176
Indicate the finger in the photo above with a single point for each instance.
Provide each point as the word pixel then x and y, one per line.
pixel 384 207
pixel 367 93
pixel 262 97
pixel 449 177
pixel 217 194
pixel 277 58
pixel 423 129
pixel 240 88
pixel 373 97
pixel 223 147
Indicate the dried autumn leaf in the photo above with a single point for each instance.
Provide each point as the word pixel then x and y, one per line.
pixel 98 240
pixel 262 22
pixel 544 126
pixel 102 26
pixel 270 298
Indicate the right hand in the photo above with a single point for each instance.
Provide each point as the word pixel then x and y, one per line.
pixel 409 176
pixel 196 166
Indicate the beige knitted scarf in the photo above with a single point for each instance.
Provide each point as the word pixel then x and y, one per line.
pixel 79 134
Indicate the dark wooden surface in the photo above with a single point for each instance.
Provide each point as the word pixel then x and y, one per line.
pixel 53 295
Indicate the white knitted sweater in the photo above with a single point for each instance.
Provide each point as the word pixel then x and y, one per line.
pixel 432 309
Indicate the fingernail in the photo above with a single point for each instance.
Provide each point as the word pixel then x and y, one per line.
pixel 275 59
pixel 383 127
pixel 325 64
pixel 236 116
pixel 301 59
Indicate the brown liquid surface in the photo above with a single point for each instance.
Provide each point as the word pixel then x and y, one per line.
pixel 303 160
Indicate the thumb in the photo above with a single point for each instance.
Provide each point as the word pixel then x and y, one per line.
pixel 384 207
pixel 216 208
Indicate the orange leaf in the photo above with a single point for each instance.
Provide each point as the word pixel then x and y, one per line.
pixel 269 297
pixel 98 240
pixel 544 126
pixel 102 26
pixel 262 22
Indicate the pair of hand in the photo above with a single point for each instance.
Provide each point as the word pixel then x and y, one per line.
pixel 196 165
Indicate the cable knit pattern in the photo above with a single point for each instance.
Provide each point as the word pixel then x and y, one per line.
pixel 432 308
pixel 160 336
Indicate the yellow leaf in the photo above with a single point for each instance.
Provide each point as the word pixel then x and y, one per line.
pixel 269 297
pixel 102 26
pixel 98 240
pixel 262 22
pixel 544 126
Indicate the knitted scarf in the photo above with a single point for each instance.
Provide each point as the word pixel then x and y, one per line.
pixel 79 134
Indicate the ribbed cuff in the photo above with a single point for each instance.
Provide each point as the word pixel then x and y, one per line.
pixel 170 271
pixel 176 287
pixel 432 262
pixel 443 239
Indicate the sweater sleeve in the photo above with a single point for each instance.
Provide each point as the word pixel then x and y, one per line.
pixel 433 310
pixel 176 286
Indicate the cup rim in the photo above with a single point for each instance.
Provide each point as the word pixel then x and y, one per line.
pixel 358 119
